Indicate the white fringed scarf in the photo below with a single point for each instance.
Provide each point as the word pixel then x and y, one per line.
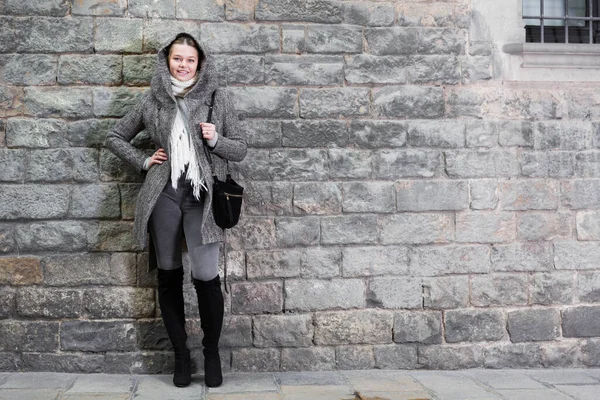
pixel 183 152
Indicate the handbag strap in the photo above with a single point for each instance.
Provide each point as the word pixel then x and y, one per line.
pixel 206 151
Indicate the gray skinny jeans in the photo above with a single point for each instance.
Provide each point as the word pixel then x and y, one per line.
pixel 178 213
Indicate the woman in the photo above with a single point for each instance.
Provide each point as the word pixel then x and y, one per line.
pixel 175 199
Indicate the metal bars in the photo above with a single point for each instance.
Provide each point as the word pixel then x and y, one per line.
pixel 589 19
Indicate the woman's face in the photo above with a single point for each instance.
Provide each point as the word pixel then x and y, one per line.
pixel 183 62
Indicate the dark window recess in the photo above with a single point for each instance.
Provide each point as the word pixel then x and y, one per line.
pixel 562 21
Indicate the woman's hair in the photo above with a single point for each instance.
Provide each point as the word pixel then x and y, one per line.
pixel 187 39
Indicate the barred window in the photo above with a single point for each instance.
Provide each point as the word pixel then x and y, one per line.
pixel 562 21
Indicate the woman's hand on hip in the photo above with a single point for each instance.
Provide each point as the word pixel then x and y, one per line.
pixel 208 130
pixel 158 157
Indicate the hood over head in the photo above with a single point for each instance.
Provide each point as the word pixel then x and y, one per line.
pixel 161 80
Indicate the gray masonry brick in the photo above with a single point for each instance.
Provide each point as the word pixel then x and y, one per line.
pixel 334 103
pixel 283 330
pixel 11 99
pixel 12 165
pixel 121 35
pixel 368 14
pixel 33 302
pixel 446 292
pixel 499 290
pixel 7 238
pixel 297 231
pixel 308 359
pixel 368 197
pixel 390 41
pixel 366 68
pixel 67 102
pixel 320 262
pixel 273 264
pixel 476 69
pixel 590 350
pixel 205 10
pixel 237 331
pixel 98 336
pixel 350 164
pixel 259 233
pixel 304 70
pixel 123 269
pixel 54 35
pixel 114 236
pixel 317 198
pixel 432 195
pixel 256 297
pixel 333 39
pixel 508 355
pixel 449 259
pixel 299 164
pixel 424 327
pixel 233 38
pixel 255 360
pixel 484 194
pixel 266 102
pixel 53 8
pixel 408 102
pixel 435 70
pixel 27 336
pixel 293 38
pixel 395 357
pixel 33 201
pixel 151 9
pixel 395 292
pixel 240 69
pixel 353 327
pixel 581 194
pixel 515 133
pixel 533 325
pixel 354 357
pixel 88 133
pixel 552 288
pixel 28 70
pixel 128 193
pixel 91 70
pixel 485 227
pixel 441 41
pixel 35 133
pixel 481 134
pixel 587 228
pixel 115 102
pixel 372 261
pixel 312 294
pixel 523 257
pixel 95 201
pixel 53 236
pixel 576 255
pixel 544 225
pixel 349 229
pixel 581 321
pixel 99 7
pixel 7 302
pixel 324 11
pixel 119 303
pixel 481 164
pixel 375 134
pixel 302 133
pixel 263 134
pixel 138 70
pixel 451 357
pixel 409 163
pixel 561 355
pixel 588 287
pixel 555 164
pixel 432 15
pixel 562 135
pixel 442 133
pixel 417 228
pixel 587 164
pixel 529 195
pixel 239 10
pixel 474 325
pixel 157 32
pixel 63 165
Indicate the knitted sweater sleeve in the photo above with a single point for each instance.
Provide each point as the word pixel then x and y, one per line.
pixel 231 144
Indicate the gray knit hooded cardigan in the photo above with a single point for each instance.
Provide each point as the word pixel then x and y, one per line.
pixel 155 113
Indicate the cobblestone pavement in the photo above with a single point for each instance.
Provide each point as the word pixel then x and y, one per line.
pixel 564 384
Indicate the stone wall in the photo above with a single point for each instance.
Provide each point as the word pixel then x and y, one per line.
pixel 405 209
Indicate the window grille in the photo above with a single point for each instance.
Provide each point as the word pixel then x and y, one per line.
pixel 562 21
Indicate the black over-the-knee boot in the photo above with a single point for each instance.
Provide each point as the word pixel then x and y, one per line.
pixel 211 307
pixel 170 299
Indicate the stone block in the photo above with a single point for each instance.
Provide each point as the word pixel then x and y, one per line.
pixel 581 194
pixel 499 290
pixel 78 164
pixel 320 262
pixel 375 134
pixel 424 327
pixel 482 164
pixel 27 70
pixel 561 355
pixel 7 238
pixel 395 292
pixel 328 133
pixel 269 198
pixel 515 133
pixel 441 41
pixel 431 195
pixel 114 236
pixel 266 102
pixel 115 102
pixel 354 357
pixel 349 229
pixel 11 100
pixel 476 69
pixel 446 292
pixel 38 302
pixel 158 31
pixel 138 70
pixel 256 297
pixel 523 257
pixel 128 193
pixel 240 69
pixel 374 261
pixel 295 70
pixel 293 39
pixel 554 164
pixel 123 269
pixel 283 330
pixel 533 325
pixel 263 134
pixel 416 228
pixel 12 165
pixel 587 228
pixel 435 69
pixel 349 164
pixel 474 325
pixel 53 236
pixel 590 351
pixel 588 287
pixel 119 302
pixel 552 288
pixel 88 133
pixel 581 321
pixel 36 133
pixel 368 14
pixel 576 255
pixel 90 70
pixel 20 271
pixel 353 327
pixel 308 359
pixel 255 360
pixel 237 331
pixel 292 232
pixel 95 201
pixel 509 355
pixel 334 103
pixel 240 38
pixel 413 102
pixel 449 259
pixel 395 357
pixel 258 233
pixel 119 35
pixel 240 10
pixel 312 294
pixel 54 35
pixel 63 363
pixel 317 199
pixel 390 41
pixel 482 134
pixel 64 102
pixel 262 264
pixel 529 194
pixel 409 163
pixel 152 335
pixel 562 135
pixel 534 226
pixel 447 357
pixel 33 201
pixel 99 7
pixel 27 336
pixel 333 39
pixel 431 15
pixel 441 133
pixel 98 336
pixel 152 8
pixel 368 197
pixel 321 11
pixel 297 165
pixel 205 10
pixel 7 302
pixel 587 164
pixel 366 68
pixel 50 8
pixel 485 227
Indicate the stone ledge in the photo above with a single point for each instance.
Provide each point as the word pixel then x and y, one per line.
pixel 555 55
